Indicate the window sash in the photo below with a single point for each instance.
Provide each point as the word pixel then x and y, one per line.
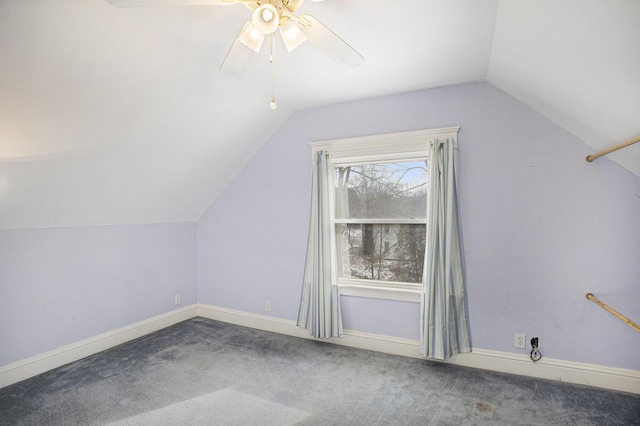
pixel 334 164
pixel 367 260
pixel 395 221
pixel 337 256
pixel 389 285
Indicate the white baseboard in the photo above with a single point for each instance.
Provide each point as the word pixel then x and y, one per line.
pixel 547 368
pixel 23 369
pixel 618 379
pixel 586 374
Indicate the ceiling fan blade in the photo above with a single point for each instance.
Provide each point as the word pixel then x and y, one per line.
pixel 327 41
pixel 248 41
pixel 153 3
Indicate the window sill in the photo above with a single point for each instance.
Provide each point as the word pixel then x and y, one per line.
pixel 389 293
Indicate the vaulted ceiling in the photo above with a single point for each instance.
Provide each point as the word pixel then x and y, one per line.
pixel 121 115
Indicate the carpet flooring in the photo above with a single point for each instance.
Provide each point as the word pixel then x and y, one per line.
pixel 203 372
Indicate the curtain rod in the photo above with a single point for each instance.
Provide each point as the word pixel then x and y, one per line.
pixel 615 313
pixel 609 150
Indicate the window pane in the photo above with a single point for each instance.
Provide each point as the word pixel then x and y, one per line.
pixel 381 251
pixel 382 190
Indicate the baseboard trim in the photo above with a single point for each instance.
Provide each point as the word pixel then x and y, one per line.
pixel 572 372
pixel 29 367
pixel 547 368
pixel 600 376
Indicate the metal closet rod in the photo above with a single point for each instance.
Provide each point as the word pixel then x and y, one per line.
pixel 615 313
pixel 609 150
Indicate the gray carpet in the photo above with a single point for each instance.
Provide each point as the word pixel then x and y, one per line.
pixel 203 372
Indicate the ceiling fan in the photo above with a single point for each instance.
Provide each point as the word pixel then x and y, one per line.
pixel 269 16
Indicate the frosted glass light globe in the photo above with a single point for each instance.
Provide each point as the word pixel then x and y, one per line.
pixel 265 19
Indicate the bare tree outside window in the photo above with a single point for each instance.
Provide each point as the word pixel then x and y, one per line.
pixel 380 220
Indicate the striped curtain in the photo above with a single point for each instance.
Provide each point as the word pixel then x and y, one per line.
pixel 319 311
pixel 444 325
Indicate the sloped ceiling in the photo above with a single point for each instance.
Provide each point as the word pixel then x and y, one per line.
pixel 112 116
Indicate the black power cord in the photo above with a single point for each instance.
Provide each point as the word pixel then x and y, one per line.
pixel 535 354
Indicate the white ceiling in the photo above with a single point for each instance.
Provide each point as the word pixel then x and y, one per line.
pixel 111 116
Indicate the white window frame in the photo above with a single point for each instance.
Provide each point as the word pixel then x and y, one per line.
pixel 370 149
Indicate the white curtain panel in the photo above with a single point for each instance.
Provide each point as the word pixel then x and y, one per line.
pixel 444 325
pixel 319 310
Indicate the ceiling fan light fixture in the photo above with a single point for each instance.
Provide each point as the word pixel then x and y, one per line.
pixel 251 38
pixel 265 19
pixel 292 36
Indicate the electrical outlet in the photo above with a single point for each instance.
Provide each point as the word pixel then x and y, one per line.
pixel 267 306
pixel 521 341
pixel 176 300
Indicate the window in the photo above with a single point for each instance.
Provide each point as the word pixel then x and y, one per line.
pixel 378 213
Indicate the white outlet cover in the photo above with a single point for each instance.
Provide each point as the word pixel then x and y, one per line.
pixel 521 340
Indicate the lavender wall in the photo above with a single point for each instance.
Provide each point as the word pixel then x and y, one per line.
pixel 59 286
pixel 541 226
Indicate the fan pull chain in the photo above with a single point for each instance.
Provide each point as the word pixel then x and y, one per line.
pixel 273 104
